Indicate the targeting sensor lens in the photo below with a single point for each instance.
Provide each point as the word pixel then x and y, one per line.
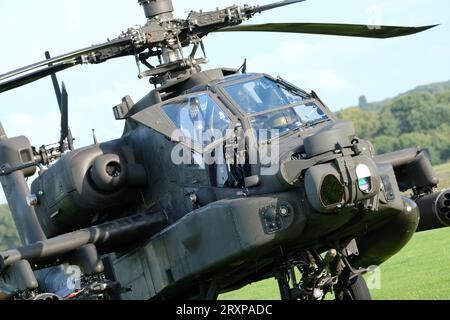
pixel 332 191
pixel 364 178
pixel 364 185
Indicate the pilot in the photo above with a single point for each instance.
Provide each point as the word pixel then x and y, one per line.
pixel 281 120
pixel 194 109
pixel 196 116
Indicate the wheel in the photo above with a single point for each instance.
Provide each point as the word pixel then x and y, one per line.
pixel 357 290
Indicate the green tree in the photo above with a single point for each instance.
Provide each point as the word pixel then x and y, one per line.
pixel 8 233
pixel 390 125
pixel 384 144
pixel 420 117
pixel 367 123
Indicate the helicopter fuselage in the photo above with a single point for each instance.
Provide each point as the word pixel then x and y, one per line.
pixel 286 177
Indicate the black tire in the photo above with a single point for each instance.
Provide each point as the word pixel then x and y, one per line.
pixel 358 290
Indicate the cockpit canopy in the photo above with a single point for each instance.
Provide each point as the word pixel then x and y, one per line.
pixel 205 114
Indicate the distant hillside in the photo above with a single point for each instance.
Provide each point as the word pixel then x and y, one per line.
pixel 420 117
pixel 433 89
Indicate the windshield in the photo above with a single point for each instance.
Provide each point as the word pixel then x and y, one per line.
pixel 273 108
pixel 263 94
pixel 280 122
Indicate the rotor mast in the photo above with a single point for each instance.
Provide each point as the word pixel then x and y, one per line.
pixel 161 11
pixel 157 9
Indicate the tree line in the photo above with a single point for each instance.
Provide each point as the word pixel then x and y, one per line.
pixel 8 234
pixel 420 117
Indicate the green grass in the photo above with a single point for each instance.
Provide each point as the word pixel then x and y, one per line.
pixel 421 271
pixel 443 171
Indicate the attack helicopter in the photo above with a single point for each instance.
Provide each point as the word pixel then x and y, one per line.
pixel 221 178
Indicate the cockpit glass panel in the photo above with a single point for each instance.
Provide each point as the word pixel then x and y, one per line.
pixel 262 94
pixel 270 125
pixel 199 118
pixel 310 113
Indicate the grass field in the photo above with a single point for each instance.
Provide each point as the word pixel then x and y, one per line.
pixel 421 271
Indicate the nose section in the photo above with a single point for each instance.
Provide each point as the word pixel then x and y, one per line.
pixel 336 136
pixel 336 168
pixel 346 181
pixel 382 243
pixel 323 146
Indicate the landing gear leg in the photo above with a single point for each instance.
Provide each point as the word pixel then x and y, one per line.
pixel 354 289
pixel 209 291
pixel 351 284
pixel 283 279
pixel 320 275
pixel 316 281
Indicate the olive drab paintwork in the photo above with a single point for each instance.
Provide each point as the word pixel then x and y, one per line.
pixel 221 178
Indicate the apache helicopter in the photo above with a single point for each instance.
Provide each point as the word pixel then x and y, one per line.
pixel 125 220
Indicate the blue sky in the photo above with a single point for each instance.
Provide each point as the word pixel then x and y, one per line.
pixel 339 69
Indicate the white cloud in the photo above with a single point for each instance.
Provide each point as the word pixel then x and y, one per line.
pixel 287 53
pixel 375 15
pixel 291 51
pixel 330 80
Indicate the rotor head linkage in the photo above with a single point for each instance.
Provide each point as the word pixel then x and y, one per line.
pixel 155 8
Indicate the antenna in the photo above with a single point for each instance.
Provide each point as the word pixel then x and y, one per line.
pixel 63 103
pixel 94 136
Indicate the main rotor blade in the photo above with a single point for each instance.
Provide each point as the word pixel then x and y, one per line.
pixel 68 56
pixel 349 30
pixel 35 75
pixel 94 54
pixel 266 7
